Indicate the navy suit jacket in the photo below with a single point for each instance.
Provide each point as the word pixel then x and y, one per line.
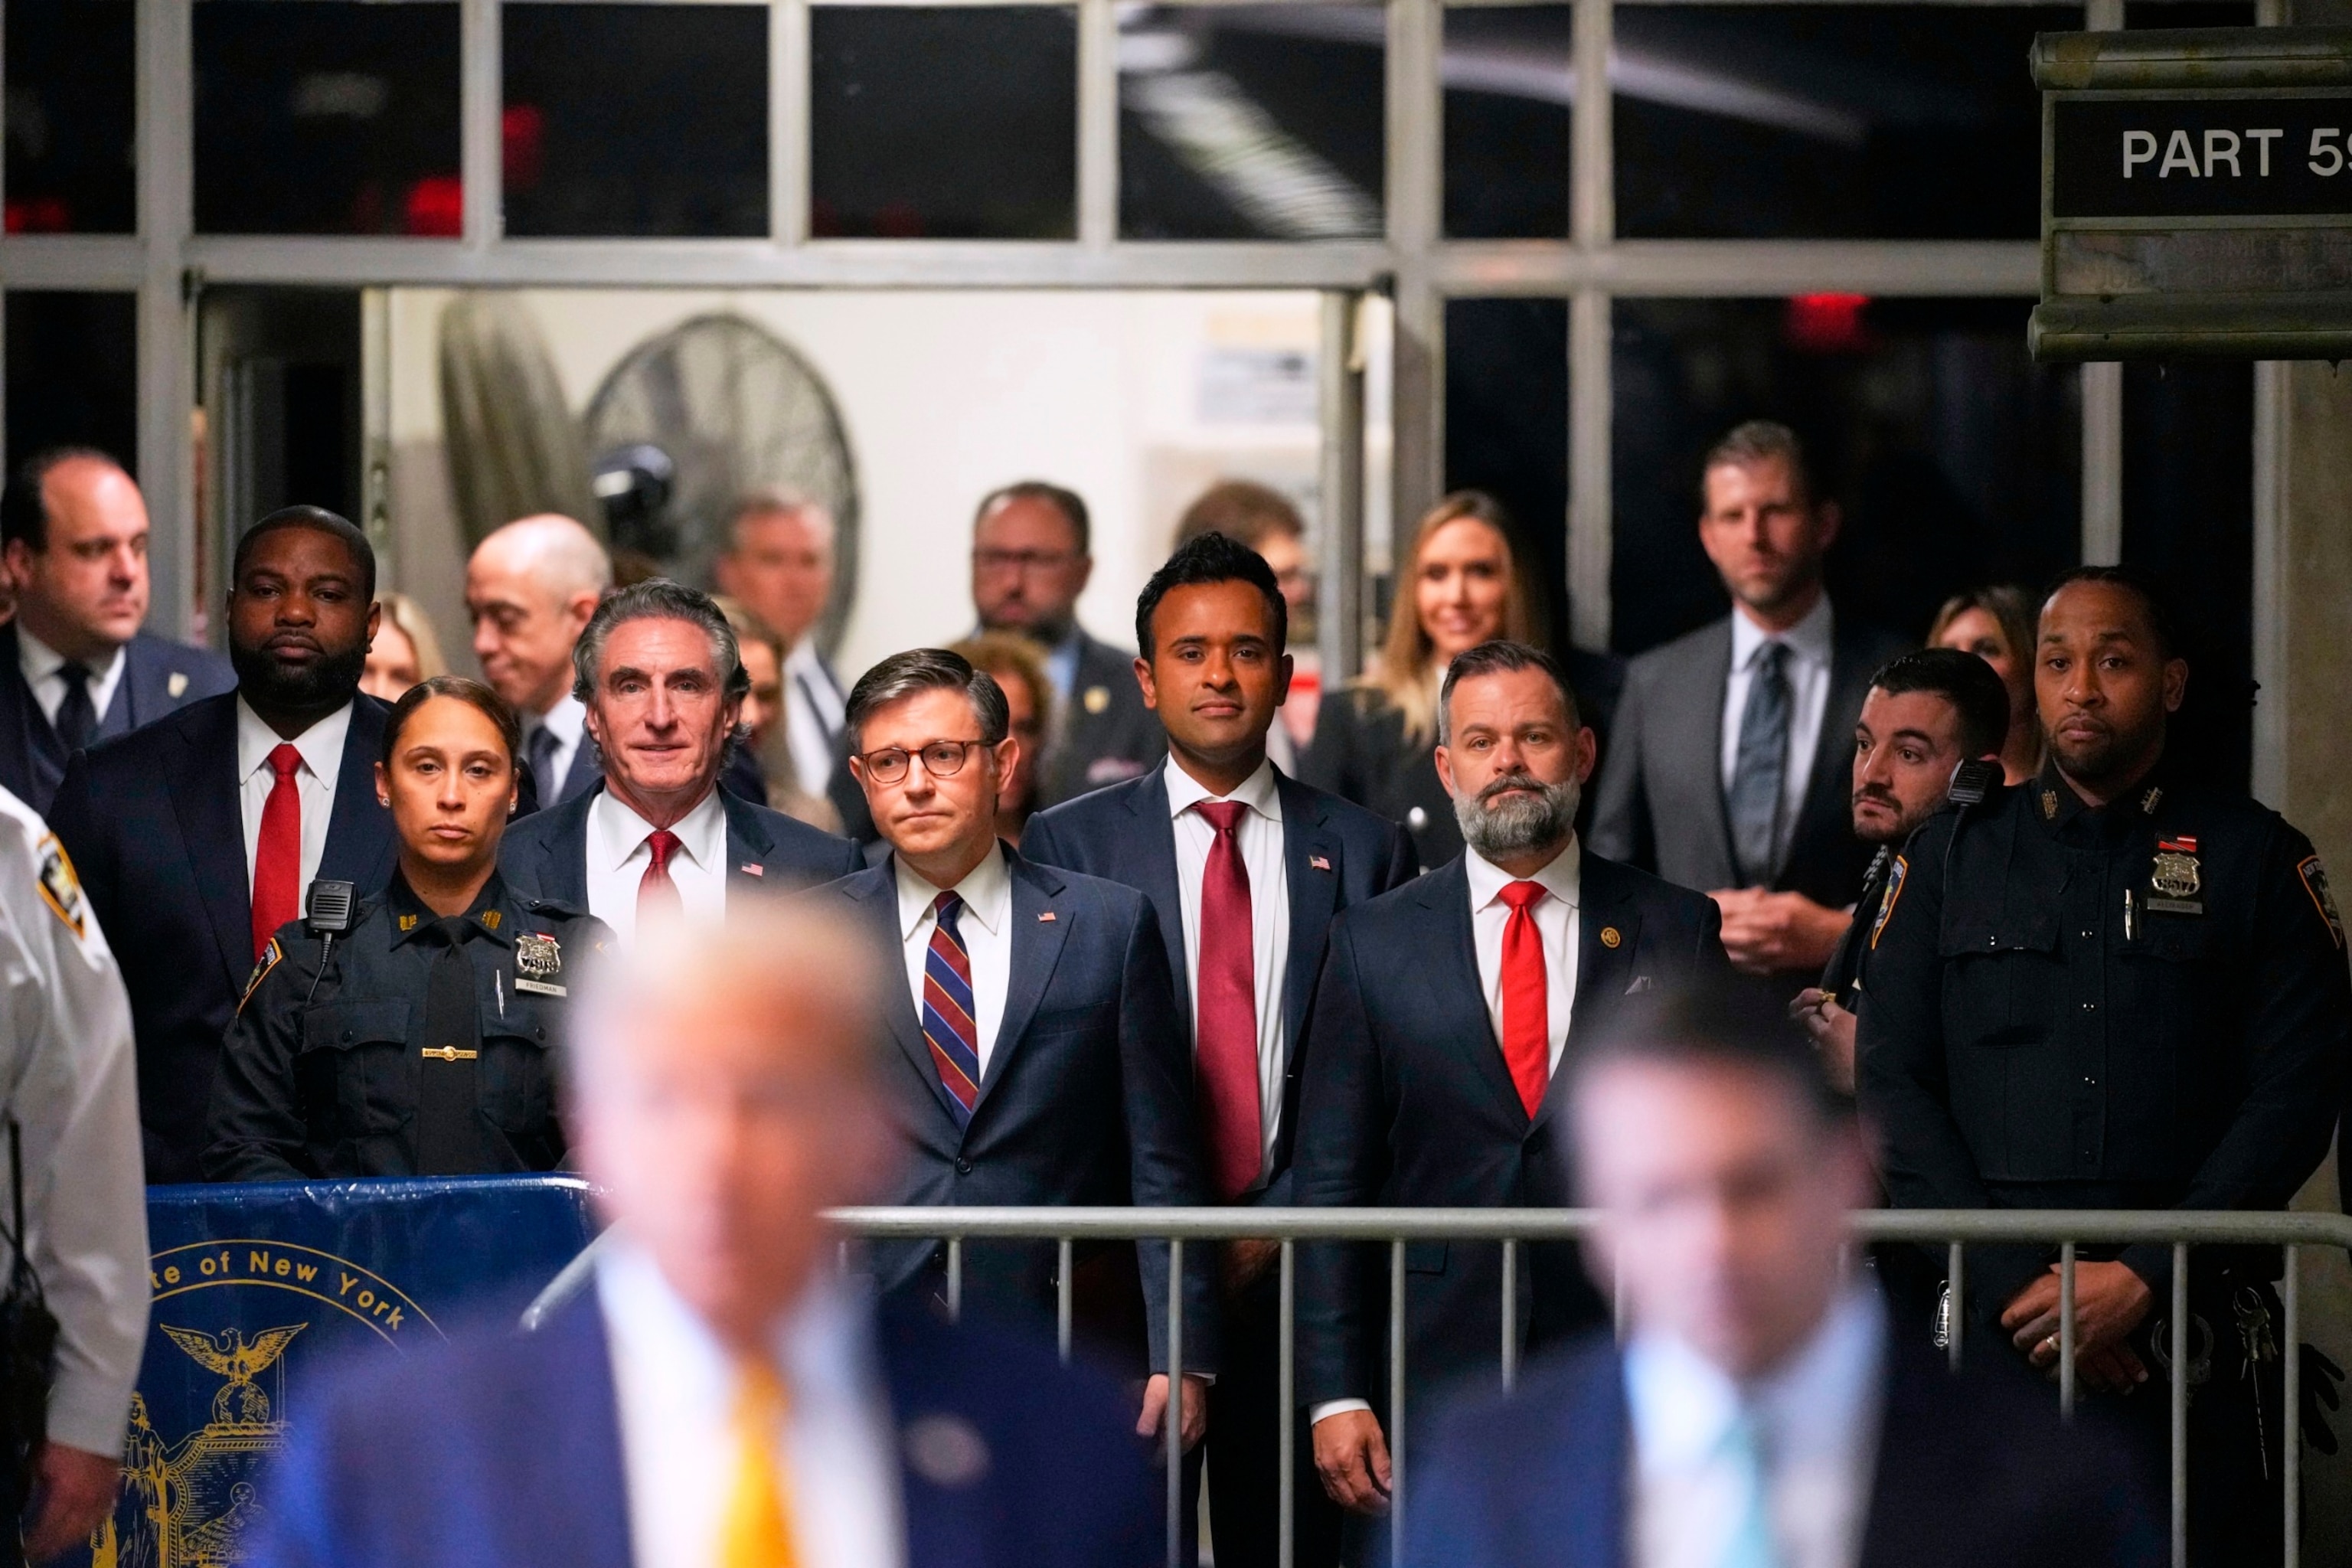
pixel 153 822
pixel 1335 854
pixel 1086 1100
pixel 1106 735
pixel 158 678
pixel 1408 1101
pixel 1970 1470
pixel 504 1451
pixel 545 855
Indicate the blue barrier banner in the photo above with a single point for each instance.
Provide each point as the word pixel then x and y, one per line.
pixel 256 1287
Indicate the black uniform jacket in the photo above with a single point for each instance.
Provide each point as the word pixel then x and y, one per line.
pixel 2140 1006
pixel 320 1073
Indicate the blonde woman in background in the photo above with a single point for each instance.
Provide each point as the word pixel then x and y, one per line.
pixel 1459 585
pixel 1996 623
pixel 406 651
pixel 1020 669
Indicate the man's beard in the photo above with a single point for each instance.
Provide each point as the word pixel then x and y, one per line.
pixel 1899 833
pixel 1523 823
pixel 330 681
pixel 2106 757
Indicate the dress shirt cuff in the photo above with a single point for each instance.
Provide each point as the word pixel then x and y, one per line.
pixel 90 1411
pixel 1330 1407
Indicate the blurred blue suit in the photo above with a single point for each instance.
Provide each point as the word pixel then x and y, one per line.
pixel 504 1451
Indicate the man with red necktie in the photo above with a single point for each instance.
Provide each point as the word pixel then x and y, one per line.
pixel 1246 868
pixel 1038 1056
pixel 658 837
pixel 197 836
pixel 1441 1020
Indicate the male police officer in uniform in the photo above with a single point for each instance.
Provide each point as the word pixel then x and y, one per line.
pixel 2103 989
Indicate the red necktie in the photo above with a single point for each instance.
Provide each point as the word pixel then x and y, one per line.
pixel 1527 1002
pixel 658 896
pixel 1225 1010
pixel 278 855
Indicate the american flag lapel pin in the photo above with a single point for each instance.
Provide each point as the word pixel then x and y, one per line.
pixel 754 870
pixel 1318 862
pixel 1046 914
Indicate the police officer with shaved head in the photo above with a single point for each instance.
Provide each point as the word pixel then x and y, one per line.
pixel 2107 988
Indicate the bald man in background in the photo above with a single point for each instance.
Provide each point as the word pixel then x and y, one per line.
pixel 531 587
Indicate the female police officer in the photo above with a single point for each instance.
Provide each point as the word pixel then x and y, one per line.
pixel 421 1040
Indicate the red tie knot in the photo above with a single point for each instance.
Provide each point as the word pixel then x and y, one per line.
pixel 284 759
pixel 1522 894
pixel 1225 816
pixel 661 843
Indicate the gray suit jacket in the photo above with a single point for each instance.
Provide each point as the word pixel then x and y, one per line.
pixel 1660 804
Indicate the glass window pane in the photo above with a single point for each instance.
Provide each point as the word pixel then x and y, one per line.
pixel 1829 121
pixel 73 372
pixel 2189 520
pixel 1957 460
pixel 1508 72
pixel 1252 122
pixel 635 119
pixel 1506 426
pixel 2189 14
pixel 71 136
pixel 944 125
pixel 326 118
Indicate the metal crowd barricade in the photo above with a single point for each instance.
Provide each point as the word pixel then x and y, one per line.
pixel 1511 1228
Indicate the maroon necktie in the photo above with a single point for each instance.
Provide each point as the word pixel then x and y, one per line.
pixel 278 854
pixel 1527 997
pixel 658 896
pixel 1225 1010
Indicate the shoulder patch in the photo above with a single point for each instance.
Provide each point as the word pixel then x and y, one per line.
pixel 2315 882
pixel 270 958
pixel 1895 872
pixel 61 888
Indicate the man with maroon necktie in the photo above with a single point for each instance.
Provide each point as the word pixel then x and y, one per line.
pixel 1432 1066
pixel 1246 869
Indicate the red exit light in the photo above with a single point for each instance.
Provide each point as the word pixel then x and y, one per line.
pixel 1828 324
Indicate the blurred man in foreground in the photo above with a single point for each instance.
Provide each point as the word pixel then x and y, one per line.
pixel 1760 1413
pixel 720 1400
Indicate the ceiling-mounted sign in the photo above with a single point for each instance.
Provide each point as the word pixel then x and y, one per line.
pixel 2196 194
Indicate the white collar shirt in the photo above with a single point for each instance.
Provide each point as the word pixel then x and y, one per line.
pixel 985 927
pixel 619 855
pixel 1811 643
pixel 813 714
pixel 322 747
pixel 1264 860
pixel 1557 923
pixel 568 722
pixel 44 667
pixel 1818 1415
pixel 676 1387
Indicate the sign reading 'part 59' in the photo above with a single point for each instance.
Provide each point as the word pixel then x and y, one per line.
pixel 2201 157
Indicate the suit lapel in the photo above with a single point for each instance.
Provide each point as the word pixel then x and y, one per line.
pixel 204 790
pixel 1156 878
pixel 1452 978
pixel 584 1445
pixel 1827 790
pixel 748 844
pixel 1037 945
pixel 562 849
pixel 359 830
pixel 1585 1501
pixel 1314 895
pixel 874 893
pixel 1707 692
pixel 1603 968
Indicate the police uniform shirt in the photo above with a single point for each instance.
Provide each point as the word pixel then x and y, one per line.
pixel 346 1061
pixel 71 1083
pixel 2143 1005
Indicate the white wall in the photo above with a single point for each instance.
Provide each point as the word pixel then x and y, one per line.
pixel 1134 400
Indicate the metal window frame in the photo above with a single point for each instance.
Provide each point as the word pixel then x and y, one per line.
pixel 166 262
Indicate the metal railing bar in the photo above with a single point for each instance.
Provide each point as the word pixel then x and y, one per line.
pixel 955 1279
pixel 2066 1330
pixel 1063 1306
pixel 2176 1388
pixel 1396 1401
pixel 1173 1426
pixel 1510 1315
pixel 1287 1415
pixel 2291 1465
pixel 1956 1268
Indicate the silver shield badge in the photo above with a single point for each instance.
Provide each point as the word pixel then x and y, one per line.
pixel 538 957
pixel 2175 876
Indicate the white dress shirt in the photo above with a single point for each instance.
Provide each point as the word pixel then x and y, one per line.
pixel 618 855
pixel 813 715
pixel 568 722
pixel 1819 1414
pixel 1558 922
pixel 321 746
pixel 1260 833
pixel 676 1387
pixel 42 664
pixel 985 926
pixel 1811 643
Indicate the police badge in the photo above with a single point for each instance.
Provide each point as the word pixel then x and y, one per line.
pixel 539 964
pixel 2175 878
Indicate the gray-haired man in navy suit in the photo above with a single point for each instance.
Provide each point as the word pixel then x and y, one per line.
pixel 75 667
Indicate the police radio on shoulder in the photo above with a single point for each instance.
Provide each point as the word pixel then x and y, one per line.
pixel 329 916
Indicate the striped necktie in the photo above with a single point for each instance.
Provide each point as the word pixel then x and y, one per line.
pixel 949 1012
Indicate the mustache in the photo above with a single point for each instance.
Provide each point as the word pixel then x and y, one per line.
pixel 1509 782
pixel 1880 793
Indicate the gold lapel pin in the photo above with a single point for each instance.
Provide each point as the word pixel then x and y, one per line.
pixel 1611 936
